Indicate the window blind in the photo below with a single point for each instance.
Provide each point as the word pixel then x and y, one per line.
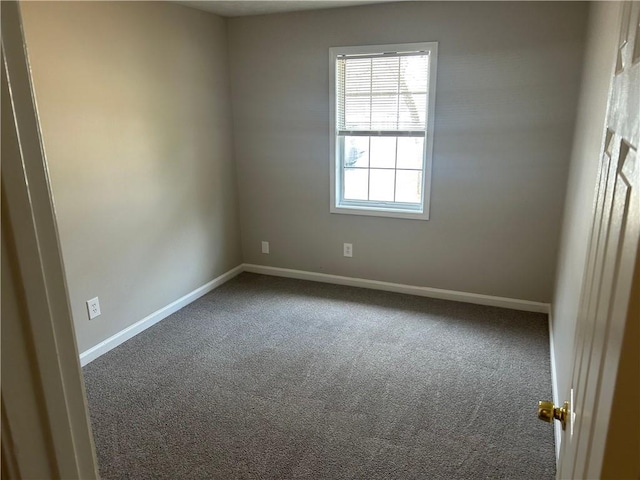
pixel 382 93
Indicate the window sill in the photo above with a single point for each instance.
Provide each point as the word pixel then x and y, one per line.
pixel 380 212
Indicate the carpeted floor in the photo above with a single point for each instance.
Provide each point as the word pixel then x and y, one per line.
pixel 273 378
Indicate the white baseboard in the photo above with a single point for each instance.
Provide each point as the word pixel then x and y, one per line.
pixel 479 299
pixel 554 387
pixel 150 320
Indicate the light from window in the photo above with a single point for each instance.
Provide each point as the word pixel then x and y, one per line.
pixel 382 116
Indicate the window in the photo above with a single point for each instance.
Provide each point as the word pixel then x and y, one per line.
pixel 382 103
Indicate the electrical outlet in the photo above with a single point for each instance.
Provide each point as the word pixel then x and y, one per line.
pixel 265 247
pixel 93 307
pixel 348 249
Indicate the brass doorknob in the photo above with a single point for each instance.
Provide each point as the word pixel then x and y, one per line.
pixel 547 411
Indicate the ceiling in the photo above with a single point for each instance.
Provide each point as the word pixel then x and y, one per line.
pixel 240 8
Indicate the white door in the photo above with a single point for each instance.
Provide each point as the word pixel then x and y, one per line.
pixel 610 266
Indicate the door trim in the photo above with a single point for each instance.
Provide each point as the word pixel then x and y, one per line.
pixel 30 213
pixel 557 431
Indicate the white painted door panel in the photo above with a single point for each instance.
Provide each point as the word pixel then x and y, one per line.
pixel 610 265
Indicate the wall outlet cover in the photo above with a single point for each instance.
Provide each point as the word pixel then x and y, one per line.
pixel 265 247
pixel 93 307
pixel 348 249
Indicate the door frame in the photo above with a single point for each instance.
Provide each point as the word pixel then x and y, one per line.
pixel 29 226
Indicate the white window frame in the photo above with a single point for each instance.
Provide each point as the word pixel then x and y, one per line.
pixel 368 207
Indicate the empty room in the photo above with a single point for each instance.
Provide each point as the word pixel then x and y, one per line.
pixel 320 240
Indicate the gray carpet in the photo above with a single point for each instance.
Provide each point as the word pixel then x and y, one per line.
pixel 272 378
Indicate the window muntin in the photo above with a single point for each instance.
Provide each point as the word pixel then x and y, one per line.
pixel 382 129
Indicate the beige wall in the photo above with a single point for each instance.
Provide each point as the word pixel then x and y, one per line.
pixel 135 114
pixel 598 67
pixel 508 81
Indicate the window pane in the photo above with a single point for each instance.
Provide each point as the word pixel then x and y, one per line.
pixel 410 152
pixel 384 112
pixel 414 73
pixel 413 108
pixel 356 152
pixel 381 185
pixel 357 92
pixel 383 152
pixel 408 186
pixel 357 112
pixel 382 93
pixel 356 183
